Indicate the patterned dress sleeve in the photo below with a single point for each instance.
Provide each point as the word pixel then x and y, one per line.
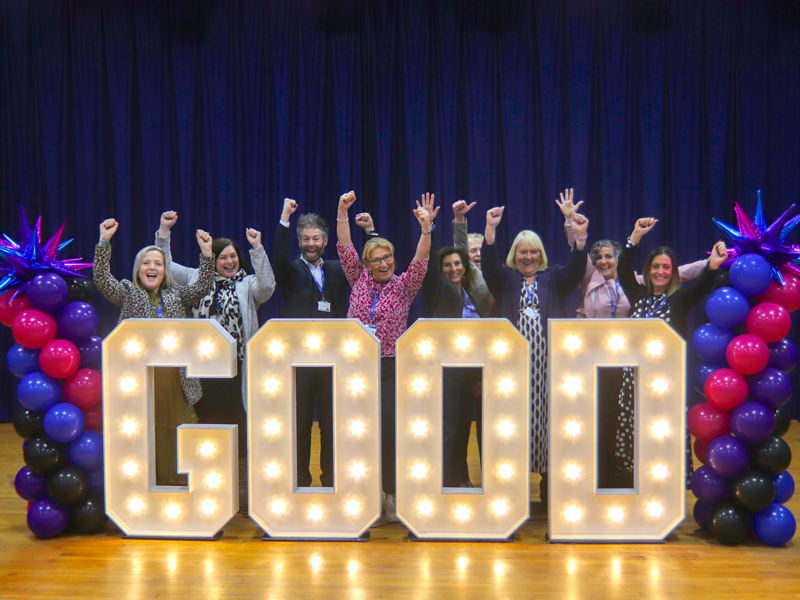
pixel 414 276
pixel 106 283
pixel 351 263
pixel 191 295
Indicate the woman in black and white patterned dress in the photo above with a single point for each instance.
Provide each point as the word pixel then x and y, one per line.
pixel 660 297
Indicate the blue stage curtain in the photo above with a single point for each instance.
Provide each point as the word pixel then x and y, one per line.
pixel 221 108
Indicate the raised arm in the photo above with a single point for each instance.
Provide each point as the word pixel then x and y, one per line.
pixel 342 220
pixel 460 232
pixel 182 275
pixel 567 209
pixel 191 295
pixel 627 278
pixel 690 295
pixel 425 214
pixel 568 278
pixel 493 271
pixel 280 244
pixel 364 220
pixel 264 279
pixel 106 283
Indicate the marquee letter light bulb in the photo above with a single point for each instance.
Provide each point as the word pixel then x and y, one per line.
pixel 271 385
pixel 208 454
pixel 347 349
pixel 651 351
pixel 501 505
pixel 572 342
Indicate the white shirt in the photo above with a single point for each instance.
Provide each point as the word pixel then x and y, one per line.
pixel 316 272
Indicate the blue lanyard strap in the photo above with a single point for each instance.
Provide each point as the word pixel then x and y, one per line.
pixel 650 306
pixel 160 310
pixel 376 298
pixel 320 287
pixel 528 290
pixel 614 303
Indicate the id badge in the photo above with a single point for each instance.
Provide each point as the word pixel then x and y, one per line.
pixel 324 306
pixel 373 329
pixel 530 312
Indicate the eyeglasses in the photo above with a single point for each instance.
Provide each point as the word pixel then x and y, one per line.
pixel 377 261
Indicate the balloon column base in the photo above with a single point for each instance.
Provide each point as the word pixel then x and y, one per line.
pixel 364 537
pixel 214 538
pixel 509 540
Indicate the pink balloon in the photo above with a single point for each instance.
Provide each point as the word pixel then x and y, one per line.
pixel 60 359
pixel 84 388
pixel 93 418
pixel 769 321
pixel 725 389
pixel 700 447
pixel 34 329
pixel 707 422
pixel 9 309
pixel 747 354
pixel 788 295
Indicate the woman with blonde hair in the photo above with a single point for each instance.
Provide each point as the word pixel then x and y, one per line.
pixel 528 292
pixel 152 294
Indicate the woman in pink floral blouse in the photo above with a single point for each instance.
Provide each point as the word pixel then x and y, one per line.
pixel 381 300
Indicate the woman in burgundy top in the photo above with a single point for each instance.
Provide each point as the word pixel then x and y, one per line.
pixel 381 301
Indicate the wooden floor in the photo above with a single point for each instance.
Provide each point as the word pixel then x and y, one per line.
pixel 688 566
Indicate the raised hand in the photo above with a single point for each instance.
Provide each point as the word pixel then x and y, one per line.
pixel 108 228
pixel 427 204
pixel 424 218
pixel 364 220
pixel 494 215
pixel 289 206
pixel 641 228
pixel 718 256
pixel 566 205
pixel 579 224
pixel 346 201
pixel 168 219
pixel 254 237
pixel 204 241
pixel 460 210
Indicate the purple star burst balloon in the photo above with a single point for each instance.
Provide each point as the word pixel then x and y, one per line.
pixel 22 261
pixel 754 237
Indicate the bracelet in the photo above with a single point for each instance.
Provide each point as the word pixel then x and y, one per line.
pixel 342 220
pixel 581 238
pixel 104 243
pixel 426 232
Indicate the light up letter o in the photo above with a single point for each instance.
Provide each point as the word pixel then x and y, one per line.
pixel 656 504
pixel 208 453
pixel 501 505
pixel 276 504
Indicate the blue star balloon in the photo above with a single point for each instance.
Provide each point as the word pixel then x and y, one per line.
pixel 22 261
pixel 754 237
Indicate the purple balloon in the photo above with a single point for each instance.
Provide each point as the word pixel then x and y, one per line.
pixel 782 355
pixel 38 392
pixel 30 486
pixel 63 422
pixel 727 308
pixel 77 322
pixel 46 518
pixel 784 487
pixel 86 452
pixel 92 353
pixel 701 373
pixel 708 487
pixel 772 387
pixel 727 456
pixel 97 483
pixel 752 422
pixel 702 513
pixel 48 292
pixel 711 343
pixel 22 361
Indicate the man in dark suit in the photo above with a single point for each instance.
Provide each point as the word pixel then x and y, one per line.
pixel 312 288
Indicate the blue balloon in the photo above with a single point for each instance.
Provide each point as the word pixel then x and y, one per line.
pixel 22 361
pixel 771 387
pixel 752 422
pixel 92 353
pixel 711 342
pixel 48 292
pixel 727 456
pixel 784 487
pixel 97 483
pixel 86 452
pixel 701 373
pixel 702 514
pixel 46 518
pixel 77 322
pixel 726 308
pixel 38 392
pixel 774 526
pixel 751 274
pixel 63 422
pixel 782 355
pixel 708 487
pixel 30 486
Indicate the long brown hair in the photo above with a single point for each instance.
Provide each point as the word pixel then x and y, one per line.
pixel 466 280
pixel 219 244
pixel 674 282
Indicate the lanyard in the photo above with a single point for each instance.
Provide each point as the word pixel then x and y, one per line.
pixel 611 295
pixel 376 298
pixel 528 290
pixel 650 306
pixel 320 287
pixel 159 311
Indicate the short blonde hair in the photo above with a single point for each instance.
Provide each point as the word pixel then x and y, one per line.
pixel 531 239
pixel 137 262
pixel 475 237
pixel 374 244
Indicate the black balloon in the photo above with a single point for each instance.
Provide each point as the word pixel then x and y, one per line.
pixel 773 455
pixel 80 289
pixel 753 490
pixel 89 515
pixel 28 424
pixel 67 485
pixel 783 419
pixel 729 524
pixel 723 278
pixel 43 455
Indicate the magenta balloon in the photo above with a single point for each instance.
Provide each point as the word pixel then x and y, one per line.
pixel 707 422
pixel 725 389
pixel 787 295
pixel 747 354
pixel 60 359
pixel 769 321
